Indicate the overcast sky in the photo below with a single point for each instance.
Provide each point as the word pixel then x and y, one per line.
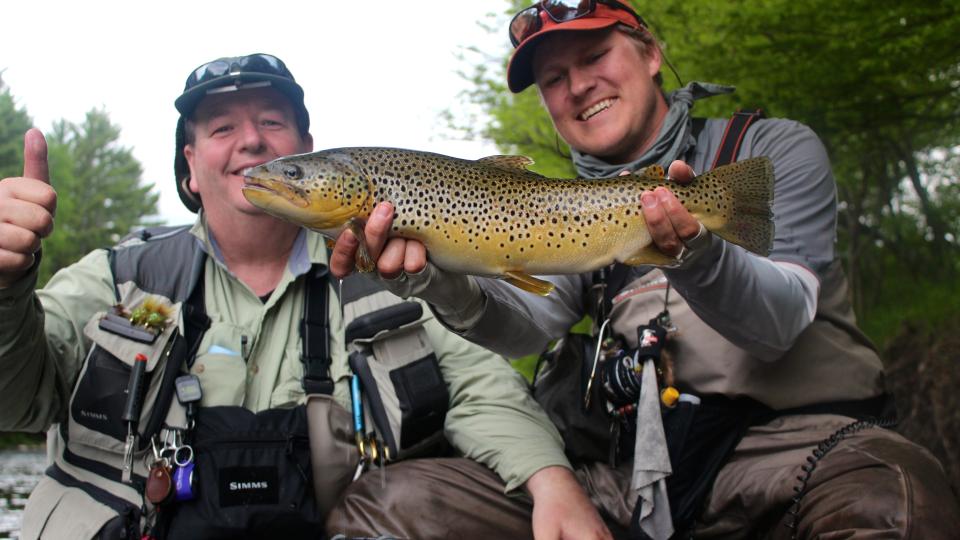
pixel 375 72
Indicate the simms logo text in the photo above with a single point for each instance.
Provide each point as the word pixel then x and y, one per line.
pixel 237 486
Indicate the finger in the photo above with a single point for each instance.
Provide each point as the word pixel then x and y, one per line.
pixel 17 240
pixel 378 228
pixel 29 190
pixel 659 225
pixel 684 224
pixel 680 172
pixel 26 215
pixel 35 156
pixel 390 263
pixel 624 172
pixel 415 257
pixel 343 255
pixel 12 265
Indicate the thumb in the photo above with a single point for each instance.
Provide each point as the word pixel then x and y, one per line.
pixel 35 156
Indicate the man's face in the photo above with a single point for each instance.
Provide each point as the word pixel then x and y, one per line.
pixel 600 92
pixel 233 131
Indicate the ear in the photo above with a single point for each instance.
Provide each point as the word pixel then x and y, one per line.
pixel 188 153
pixel 654 60
pixel 308 143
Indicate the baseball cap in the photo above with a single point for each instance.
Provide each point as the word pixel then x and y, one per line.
pixel 530 25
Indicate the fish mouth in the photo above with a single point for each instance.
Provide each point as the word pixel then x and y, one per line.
pixel 596 109
pixel 264 189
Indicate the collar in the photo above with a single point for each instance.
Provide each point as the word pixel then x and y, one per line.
pixel 309 248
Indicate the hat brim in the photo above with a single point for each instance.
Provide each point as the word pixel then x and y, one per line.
pixel 520 68
pixel 189 100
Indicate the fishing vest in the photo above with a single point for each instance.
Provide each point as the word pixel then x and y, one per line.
pixel 83 493
pixel 831 361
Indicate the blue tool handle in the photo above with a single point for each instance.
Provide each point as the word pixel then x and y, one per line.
pixel 357 404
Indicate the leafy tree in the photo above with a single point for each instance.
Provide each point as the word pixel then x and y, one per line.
pixel 14 122
pixel 879 81
pixel 100 194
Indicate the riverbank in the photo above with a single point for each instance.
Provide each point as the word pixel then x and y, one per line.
pixel 20 470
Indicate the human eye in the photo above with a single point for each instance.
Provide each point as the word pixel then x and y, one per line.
pixel 273 119
pixel 594 56
pixel 220 128
pixel 551 79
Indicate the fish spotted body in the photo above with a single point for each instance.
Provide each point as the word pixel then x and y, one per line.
pixel 493 217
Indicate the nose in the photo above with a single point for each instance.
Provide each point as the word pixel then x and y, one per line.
pixel 580 81
pixel 251 138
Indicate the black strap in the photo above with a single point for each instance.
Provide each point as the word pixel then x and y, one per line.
pixel 195 319
pixel 733 136
pixel 315 333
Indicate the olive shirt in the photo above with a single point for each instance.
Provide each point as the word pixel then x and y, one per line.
pixel 250 356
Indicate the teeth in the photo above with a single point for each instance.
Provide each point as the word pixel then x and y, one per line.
pixel 587 114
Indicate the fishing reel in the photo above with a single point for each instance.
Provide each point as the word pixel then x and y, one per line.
pixel 621 371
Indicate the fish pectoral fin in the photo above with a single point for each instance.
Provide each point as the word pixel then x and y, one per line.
pixel 363 260
pixel 510 163
pixel 528 283
pixel 650 255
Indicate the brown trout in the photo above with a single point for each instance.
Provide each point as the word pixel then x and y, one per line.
pixel 493 217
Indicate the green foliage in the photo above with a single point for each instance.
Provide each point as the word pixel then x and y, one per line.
pixel 516 123
pixel 879 81
pixel 100 197
pixel 14 122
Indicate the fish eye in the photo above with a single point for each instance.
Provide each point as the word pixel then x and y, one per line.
pixel 292 172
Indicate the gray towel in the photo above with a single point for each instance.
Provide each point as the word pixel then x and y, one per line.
pixel 651 462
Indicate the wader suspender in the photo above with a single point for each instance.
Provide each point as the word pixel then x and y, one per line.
pixel 612 280
pixel 733 136
pixel 315 333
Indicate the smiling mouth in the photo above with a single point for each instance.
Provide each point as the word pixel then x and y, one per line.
pixel 596 108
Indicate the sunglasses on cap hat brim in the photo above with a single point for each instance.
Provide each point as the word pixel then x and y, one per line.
pixel 539 16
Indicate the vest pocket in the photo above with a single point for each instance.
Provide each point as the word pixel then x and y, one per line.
pixel 67 510
pixel 100 395
pixel 403 389
pixel 252 477
pixel 221 366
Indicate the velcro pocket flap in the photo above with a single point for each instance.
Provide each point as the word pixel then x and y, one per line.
pixel 126 349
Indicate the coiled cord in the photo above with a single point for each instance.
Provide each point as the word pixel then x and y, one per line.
pixel 818 453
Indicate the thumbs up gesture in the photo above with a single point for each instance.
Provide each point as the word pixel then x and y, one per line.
pixel 27 206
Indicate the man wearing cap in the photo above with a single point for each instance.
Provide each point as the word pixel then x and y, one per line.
pixel 782 389
pixel 98 356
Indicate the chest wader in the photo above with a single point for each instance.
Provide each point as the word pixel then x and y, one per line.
pixel 702 434
pixel 278 472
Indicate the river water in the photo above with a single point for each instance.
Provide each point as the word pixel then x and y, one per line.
pixel 20 470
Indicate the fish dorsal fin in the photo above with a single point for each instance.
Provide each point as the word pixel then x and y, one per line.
pixel 510 163
pixel 652 172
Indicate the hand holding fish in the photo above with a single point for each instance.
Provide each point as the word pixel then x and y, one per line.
pixel 396 255
pixel 27 205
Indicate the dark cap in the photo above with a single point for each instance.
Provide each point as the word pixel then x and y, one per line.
pixel 603 15
pixel 227 75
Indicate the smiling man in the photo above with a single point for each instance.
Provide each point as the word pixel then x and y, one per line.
pixel 183 372
pixel 775 430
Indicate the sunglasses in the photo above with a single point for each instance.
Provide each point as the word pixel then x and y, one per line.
pixel 254 63
pixel 528 22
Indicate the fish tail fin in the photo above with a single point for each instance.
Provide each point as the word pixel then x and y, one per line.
pixel 748 185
